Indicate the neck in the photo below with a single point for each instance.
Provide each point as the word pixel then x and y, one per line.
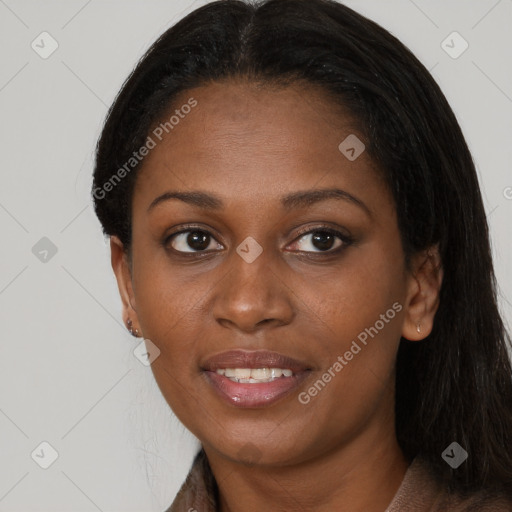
pixel 363 475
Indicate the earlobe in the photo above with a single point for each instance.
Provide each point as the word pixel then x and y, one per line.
pixel 121 268
pixel 424 287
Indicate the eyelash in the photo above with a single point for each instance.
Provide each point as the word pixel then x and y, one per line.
pixel 346 239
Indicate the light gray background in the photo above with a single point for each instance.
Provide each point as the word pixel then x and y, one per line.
pixel 68 375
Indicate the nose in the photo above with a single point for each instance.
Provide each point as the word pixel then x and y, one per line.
pixel 253 295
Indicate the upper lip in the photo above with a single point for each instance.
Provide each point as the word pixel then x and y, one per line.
pixel 253 359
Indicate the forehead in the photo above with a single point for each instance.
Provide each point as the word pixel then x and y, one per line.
pixel 242 139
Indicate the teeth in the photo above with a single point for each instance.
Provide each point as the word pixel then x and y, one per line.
pixel 260 373
pixel 242 373
pixel 254 375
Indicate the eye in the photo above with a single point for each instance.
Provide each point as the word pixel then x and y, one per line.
pixel 196 239
pixel 323 239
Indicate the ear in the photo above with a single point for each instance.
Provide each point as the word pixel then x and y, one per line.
pixel 424 286
pixel 122 271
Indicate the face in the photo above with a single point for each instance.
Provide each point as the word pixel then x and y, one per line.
pixel 289 259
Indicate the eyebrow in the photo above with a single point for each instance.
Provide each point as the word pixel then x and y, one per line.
pixel 289 202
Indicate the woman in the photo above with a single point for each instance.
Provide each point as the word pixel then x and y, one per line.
pixel 297 232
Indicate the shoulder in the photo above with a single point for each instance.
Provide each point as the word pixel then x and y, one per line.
pixel 475 502
pixel 421 491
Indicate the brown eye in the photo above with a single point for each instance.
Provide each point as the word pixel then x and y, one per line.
pixel 191 241
pixel 323 240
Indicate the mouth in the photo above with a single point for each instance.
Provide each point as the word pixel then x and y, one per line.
pixel 254 379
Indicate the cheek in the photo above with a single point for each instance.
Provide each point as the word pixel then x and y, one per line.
pixel 165 298
pixel 170 320
pixel 355 293
pixel 167 309
pixel 356 378
pixel 359 307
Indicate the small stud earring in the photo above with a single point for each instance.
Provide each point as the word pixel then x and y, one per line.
pixel 130 328
pixel 418 328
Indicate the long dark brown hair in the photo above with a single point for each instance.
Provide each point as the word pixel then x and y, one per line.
pixel 456 385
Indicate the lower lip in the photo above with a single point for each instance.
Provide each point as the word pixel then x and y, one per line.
pixel 254 395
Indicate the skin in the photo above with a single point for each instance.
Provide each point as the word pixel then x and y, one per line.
pixel 250 146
